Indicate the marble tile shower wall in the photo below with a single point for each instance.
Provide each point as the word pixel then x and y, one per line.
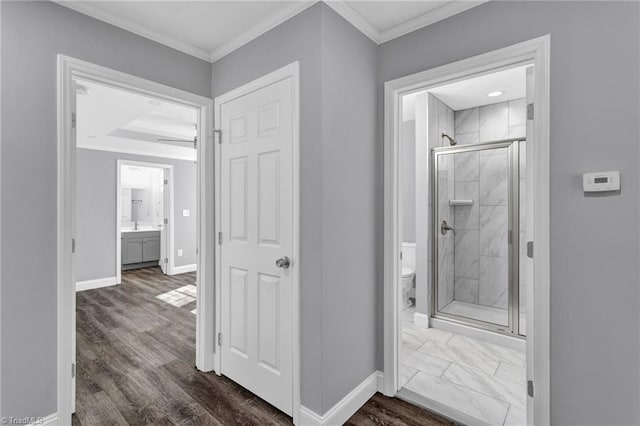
pixel 481 247
pixel 444 118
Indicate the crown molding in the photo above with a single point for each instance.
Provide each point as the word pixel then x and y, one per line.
pixel 379 37
pixel 428 18
pixel 87 8
pixel 355 19
pixel 256 31
pixel 272 21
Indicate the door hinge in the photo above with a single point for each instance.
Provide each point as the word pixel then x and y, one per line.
pixel 400 254
pixel 166 181
pixel 219 339
pixel 197 251
pixel 510 237
pixel 530 249
pixel 219 133
pixel 166 221
pixel 73 370
pixel 530 388
pixel 530 111
pixel 195 143
pixel 220 238
pixel 73 245
pixel 73 120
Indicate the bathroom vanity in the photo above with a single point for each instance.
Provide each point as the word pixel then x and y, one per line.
pixel 140 248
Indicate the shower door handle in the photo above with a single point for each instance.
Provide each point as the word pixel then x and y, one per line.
pixel 444 228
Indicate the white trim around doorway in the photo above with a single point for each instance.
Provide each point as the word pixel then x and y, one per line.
pixel 536 52
pixel 70 69
pixel 289 71
pixel 168 210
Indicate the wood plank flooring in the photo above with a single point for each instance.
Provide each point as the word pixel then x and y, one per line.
pixel 135 365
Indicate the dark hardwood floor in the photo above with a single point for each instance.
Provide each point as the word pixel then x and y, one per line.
pixel 135 365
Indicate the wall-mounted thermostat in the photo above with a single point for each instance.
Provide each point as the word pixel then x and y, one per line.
pixel 601 181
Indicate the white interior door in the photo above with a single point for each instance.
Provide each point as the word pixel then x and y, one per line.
pixel 257 229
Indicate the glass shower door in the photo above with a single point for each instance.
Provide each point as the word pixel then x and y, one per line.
pixel 476 210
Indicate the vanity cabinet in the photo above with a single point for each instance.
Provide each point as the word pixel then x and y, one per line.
pixel 151 249
pixel 140 247
pixel 131 250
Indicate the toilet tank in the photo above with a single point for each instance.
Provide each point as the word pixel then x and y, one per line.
pixel 409 255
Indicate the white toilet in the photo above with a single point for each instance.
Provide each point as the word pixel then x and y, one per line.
pixel 408 274
pixel 408 287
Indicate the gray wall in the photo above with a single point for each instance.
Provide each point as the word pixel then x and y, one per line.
pixel 33 33
pixel 96 175
pixel 594 270
pixel 408 180
pixel 349 207
pixel 338 191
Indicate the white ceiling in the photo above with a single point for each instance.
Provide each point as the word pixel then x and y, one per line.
pixel 117 120
pixel 473 92
pixel 211 29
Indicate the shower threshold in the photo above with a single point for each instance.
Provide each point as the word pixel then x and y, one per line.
pixel 482 313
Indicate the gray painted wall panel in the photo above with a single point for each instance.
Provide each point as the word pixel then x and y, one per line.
pixel 33 33
pixel 96 207
pixel 594 126
pixel 349 214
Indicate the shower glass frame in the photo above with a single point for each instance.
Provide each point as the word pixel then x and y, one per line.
pixel 513 238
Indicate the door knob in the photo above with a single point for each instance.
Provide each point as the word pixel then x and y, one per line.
pixel 284 262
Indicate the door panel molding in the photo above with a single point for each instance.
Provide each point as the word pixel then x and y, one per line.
pixel 237 136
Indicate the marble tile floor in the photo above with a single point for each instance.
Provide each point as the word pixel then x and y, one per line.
pixel 481 380
pixel 483 313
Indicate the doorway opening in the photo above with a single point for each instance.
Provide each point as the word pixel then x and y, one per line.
pixel 132 153
pixel 466 192
pixel 146 217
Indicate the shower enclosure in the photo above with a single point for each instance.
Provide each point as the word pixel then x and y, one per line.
pixel 476 235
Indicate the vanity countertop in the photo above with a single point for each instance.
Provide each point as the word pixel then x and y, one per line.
pixel 145 229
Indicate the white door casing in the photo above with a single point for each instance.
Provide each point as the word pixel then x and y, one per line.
pixel 534 52
pixel 256 216
pixel 68 70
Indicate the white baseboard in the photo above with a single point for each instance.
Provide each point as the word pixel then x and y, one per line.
pixel 184 269
pixel 50 420
pixel 98 283
pixel 346 407
pixel 421 320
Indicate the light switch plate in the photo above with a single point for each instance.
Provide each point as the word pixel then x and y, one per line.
pixel 185 212
pixel 179 252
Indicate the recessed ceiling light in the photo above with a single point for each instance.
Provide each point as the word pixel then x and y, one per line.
pixel 494 94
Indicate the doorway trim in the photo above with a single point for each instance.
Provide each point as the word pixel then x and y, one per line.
pixel 534 51
pixel 67 70
pixel 289 71
pixel 168 240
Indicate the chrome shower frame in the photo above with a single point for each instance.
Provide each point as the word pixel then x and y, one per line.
pixel 513 286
